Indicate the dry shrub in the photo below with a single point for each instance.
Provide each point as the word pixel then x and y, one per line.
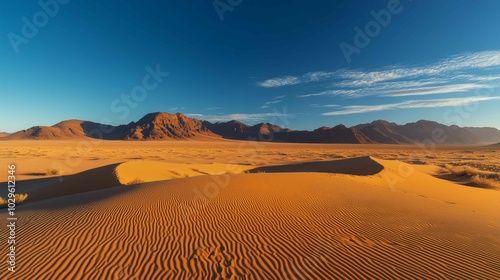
pixel 463 170
pixel 53 172
pixel 135 182
pixel 18 197
pixel 479 178
pixel 485 182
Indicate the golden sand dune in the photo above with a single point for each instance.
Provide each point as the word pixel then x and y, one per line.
pixel 127 173
pixel 353 166
pixel 140 171
pixel 398 223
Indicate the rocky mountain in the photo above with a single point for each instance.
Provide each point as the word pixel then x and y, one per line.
pixel 165 126
pixel 485 134
pixel 240 131
pixel 154 126
pixel 428 131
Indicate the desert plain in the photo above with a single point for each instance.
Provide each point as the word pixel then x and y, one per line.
pixel 227 209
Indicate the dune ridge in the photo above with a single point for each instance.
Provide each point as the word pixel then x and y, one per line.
pixel 291 225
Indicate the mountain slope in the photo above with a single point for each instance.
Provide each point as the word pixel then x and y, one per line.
pixel 161 126
pixel 485 134
pixel 165 126
pixel 64 130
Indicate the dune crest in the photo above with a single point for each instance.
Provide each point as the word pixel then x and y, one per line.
pixel 142 171
pixel 293 226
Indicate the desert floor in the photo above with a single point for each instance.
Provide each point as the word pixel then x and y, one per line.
pixel 249 210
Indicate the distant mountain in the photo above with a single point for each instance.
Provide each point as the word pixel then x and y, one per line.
pixel 3 134
pixel 385 132
pixel 154 126
pixel 165 126
pixel 423 131
pixel 64 130
pixel 485 134
pixel 240 131
pixel 337 134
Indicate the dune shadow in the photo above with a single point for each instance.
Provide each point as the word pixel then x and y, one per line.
pixel 463 181
pixel 76 199
pixel 34 174
pixel 360 166
pixel 90 180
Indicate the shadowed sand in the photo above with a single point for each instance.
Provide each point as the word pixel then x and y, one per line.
pixel 397 222
pixel 354 166
pixel 127 173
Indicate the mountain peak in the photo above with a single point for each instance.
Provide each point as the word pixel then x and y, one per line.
pixel 167 126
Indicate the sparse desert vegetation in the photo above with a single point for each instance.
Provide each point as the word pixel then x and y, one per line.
pixel 19 198
pixel 479 178
pixel 53 172
pixel 135 182
pixel 485 182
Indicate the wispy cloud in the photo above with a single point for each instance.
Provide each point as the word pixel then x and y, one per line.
pixel 324 105
pixel 213 108
pixel 411 104
pixel 241 117
pixel 460 73
pixel 279 82
pixel 338 92
pixel 175 109
pixel 464 62
pixel 292 80
pixel 272 102
pixel 434 90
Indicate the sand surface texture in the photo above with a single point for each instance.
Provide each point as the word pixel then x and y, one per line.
pixel 351 213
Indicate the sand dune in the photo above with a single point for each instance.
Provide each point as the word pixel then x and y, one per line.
pixel 353 166
pixel 127 173
pixel 399 222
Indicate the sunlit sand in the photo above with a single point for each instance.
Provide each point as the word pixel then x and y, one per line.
pixel 246 210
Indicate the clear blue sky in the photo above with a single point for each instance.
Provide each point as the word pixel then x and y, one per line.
pixel 436 60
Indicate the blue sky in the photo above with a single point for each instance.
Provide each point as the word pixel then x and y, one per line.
pixel 256 61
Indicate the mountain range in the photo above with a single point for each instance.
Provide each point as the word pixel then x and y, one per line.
pixel 165 126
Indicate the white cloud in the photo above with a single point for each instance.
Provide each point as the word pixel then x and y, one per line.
pixel 213 108
pixel 338 92
pixel 292 80
pixel 279 82
pixel 460 73
pixel 272 102
pixel 470 61
pixel 411 104
pixel 241 117
pixel 324 105
pixel 434 90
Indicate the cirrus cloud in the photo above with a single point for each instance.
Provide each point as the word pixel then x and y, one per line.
pixel 410 104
